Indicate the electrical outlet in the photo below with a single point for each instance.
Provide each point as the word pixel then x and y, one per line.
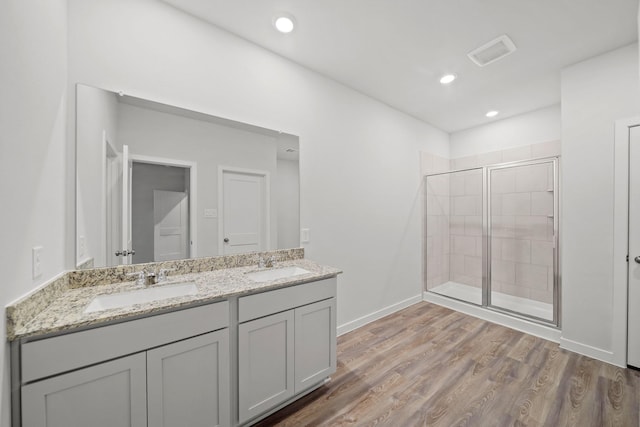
pixel 304 235
pixel 36 253
pixel 82 246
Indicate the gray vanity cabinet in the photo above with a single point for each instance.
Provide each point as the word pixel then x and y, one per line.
pixel 265 364
pixel 111 394
pixel 283 354
pixel 315 343
pixel 188 382
pixel 167 370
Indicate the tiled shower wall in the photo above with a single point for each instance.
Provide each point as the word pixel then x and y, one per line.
pixel 437 235
pixel 453 239
pixel 522 236
pixel 465 227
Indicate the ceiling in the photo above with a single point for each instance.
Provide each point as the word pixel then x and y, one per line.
pixel 396 50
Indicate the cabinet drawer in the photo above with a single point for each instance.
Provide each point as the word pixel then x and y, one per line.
pixel 63 353
pixel 269 302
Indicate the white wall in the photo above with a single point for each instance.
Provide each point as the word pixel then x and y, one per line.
pixel 33 107
pixel 595 93
pixel 525 129
pixel 358 158
pixel 98 115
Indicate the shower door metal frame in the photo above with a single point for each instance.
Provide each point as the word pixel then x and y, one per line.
pixel 486 239
pixel 556 241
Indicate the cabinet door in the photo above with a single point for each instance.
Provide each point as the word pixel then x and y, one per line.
pixel 315 343
pixel 111 394
pixel 265 363
pixel 188 382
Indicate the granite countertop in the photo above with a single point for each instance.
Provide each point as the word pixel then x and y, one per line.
pixel 66 312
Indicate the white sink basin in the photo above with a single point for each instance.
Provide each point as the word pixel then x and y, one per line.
pixel 141 296
pixel 276 273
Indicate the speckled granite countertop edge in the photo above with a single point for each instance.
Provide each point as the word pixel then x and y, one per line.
pixel 65 312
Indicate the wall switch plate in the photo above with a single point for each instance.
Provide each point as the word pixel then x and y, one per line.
pixel 36 254
pixel 211 213
pixel 304 235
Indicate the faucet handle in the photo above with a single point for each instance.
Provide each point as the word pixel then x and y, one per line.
pixel 162 274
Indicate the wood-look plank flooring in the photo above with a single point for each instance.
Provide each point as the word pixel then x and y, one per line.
pixel 431 366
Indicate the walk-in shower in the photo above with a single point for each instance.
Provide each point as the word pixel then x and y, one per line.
pixel 492 237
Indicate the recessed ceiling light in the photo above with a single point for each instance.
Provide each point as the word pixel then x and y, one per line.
pixel 283 23
pixel 492 113
pixel 447 78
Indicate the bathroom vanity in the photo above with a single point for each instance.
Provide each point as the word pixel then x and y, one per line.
pixel 241 347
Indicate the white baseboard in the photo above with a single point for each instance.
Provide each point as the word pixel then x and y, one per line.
pixel 361 321
pixel 522 325
pixel 593 352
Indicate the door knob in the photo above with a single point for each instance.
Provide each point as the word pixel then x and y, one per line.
pixel 226 240
pixel 637 259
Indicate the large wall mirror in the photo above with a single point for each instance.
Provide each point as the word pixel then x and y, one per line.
pixel 157 182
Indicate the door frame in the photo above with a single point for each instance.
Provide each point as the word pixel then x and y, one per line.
pixel 267 202
pixel 621 238
pixel 193 187
pixel 109 151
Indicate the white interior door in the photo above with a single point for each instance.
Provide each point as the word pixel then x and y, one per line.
pixel 113 208
pixel 127 167
pixel 170 225
pixel 244 212
pixel 633 349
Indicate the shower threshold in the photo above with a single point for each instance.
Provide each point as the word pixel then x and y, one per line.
pixel 473 295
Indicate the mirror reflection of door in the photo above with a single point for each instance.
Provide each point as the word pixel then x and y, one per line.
pixel 245 211
pixel 171 223
pixel 159 212
pixel 113 203
pixel 127 180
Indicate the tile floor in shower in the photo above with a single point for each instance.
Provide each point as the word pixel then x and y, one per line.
pixel 517 304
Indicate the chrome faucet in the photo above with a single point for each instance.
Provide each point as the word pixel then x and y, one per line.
pixel 144 278
pixel 266 262
pixel 162 274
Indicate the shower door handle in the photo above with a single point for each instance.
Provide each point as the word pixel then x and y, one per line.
pixel 637 259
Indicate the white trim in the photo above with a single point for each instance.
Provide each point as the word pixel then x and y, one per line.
pixel 484 313
pixel 104 258
pixel 267 200
pixel 103 210
pixel 620 240
pixel 193 192
pixel 379 314
pixel 593 352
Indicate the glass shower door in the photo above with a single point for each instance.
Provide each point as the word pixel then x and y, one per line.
pixel 522 227
pixel 454 242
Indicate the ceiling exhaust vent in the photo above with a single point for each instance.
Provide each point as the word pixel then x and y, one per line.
pixel 490 52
